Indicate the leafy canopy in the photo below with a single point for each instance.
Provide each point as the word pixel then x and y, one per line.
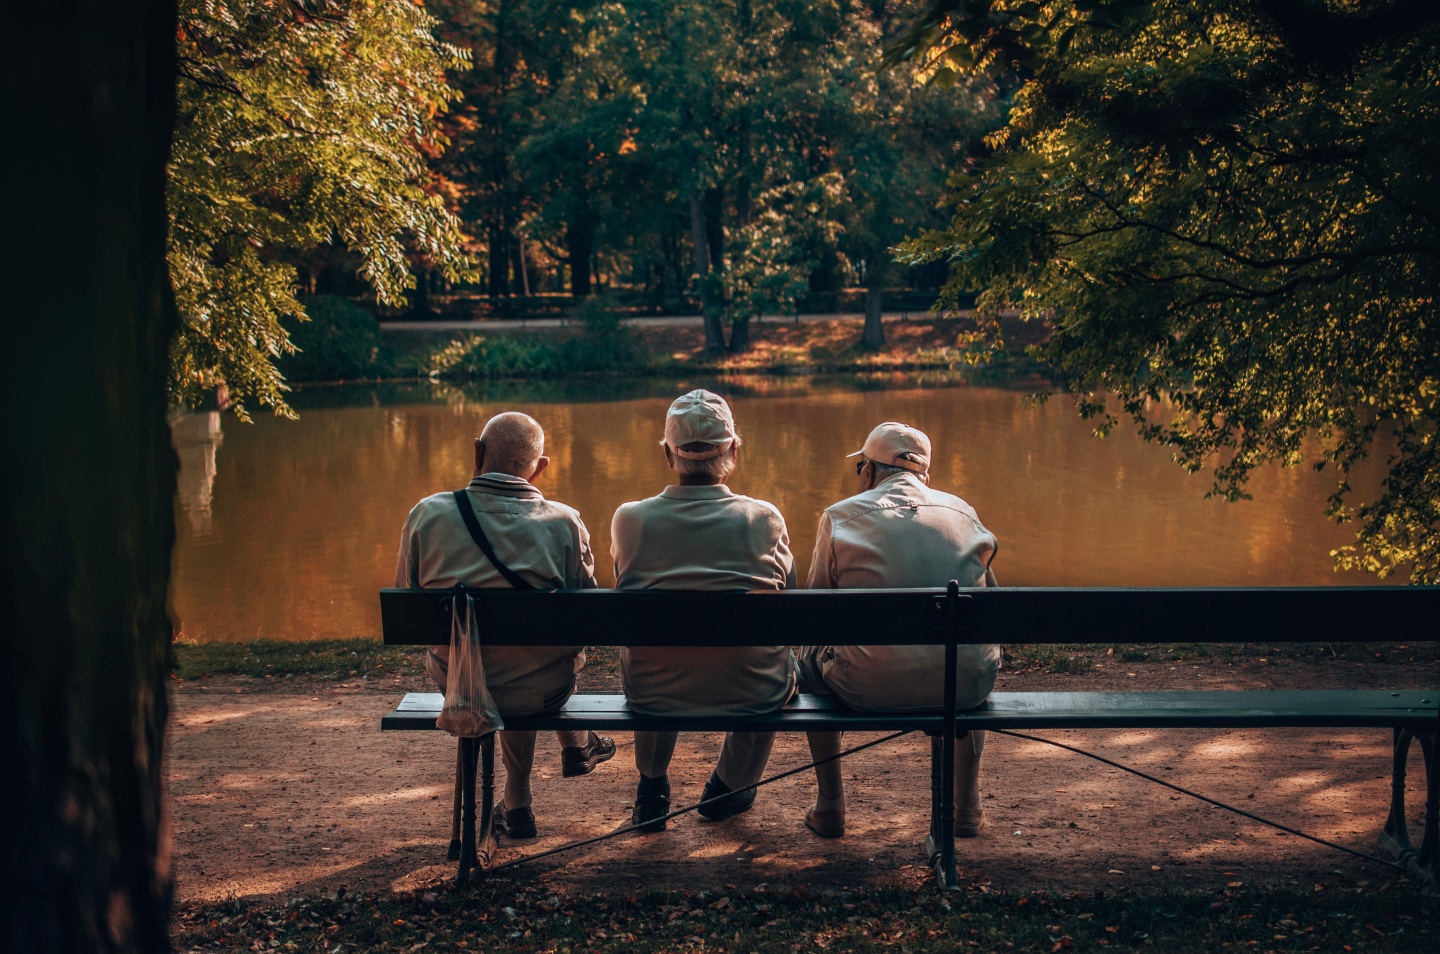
pixel 301 123
pixel 1228 210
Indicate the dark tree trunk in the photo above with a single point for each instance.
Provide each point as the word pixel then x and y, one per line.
pixel 715 227
pixel 710 304
pixel 874 334
pixel 89 480
pixel 740 334
pixel 420 299
pixel 499 281
pixel 580 248
pixel 669 287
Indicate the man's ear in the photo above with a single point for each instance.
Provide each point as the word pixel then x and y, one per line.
pixel 540 466
pixel 669 457
pixel 867 474
pixel 479 457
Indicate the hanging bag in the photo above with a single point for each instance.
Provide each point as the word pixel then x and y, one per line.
pixel 469 711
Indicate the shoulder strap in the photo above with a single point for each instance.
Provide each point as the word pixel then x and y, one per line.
pixel 467 513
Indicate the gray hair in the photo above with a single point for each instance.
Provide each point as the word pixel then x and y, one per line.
pixel 886 471
pixel 716 468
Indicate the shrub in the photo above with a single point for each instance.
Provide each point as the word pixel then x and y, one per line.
pixel 341 340
pixel 605 346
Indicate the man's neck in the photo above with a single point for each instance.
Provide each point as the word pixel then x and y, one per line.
pixel 503 473
pixel 700 480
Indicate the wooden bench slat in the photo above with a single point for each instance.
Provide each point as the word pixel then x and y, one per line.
pixel 1004 710
pixel 918 616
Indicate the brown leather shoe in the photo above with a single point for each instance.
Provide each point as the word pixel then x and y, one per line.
pixel 968 822
pixel 582 759
pixel 826 822
pixel 515 822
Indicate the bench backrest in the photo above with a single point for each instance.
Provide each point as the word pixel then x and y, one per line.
pixel 920 616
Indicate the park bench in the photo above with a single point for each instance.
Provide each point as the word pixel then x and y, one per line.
pixel 955 617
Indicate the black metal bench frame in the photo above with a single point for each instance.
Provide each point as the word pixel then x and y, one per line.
pixel 954 617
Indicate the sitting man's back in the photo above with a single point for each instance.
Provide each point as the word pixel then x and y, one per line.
pixel 701 535
pixel 546 546
pixel 898 532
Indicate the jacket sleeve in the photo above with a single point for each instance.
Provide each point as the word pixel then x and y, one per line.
pixel 822 561
pixel 407 564
pixel 585 572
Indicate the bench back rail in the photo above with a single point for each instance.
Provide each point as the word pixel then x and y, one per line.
pixel 922 616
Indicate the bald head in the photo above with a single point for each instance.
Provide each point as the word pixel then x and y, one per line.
pixel 512 443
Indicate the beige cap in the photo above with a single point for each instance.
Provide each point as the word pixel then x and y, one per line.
pixel 700 417
pixel 898 445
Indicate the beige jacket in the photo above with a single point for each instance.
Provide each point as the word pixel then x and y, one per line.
pixel 902 533
pixel 712 539
pixel 543 541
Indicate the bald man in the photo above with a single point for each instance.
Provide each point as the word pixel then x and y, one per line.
pixel 546 545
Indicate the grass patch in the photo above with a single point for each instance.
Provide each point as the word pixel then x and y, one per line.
pixel 1047 658
pixel 351 658
pixel 268 658
pixel 1082 657
pixel 505 915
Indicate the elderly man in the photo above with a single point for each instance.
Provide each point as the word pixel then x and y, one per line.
pixel 698 534
pixel 536 543
pixel 898 532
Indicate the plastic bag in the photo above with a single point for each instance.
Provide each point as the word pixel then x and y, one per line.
pixel 469 711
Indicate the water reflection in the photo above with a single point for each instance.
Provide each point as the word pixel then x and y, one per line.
pixel 196 437
pixel 292 526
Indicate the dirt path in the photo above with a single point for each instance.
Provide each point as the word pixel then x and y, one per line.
pixel 289 788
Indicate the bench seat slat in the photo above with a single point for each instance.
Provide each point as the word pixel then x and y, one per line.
pixel 1004 710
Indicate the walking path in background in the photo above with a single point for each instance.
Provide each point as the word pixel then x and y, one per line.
pixel 648 321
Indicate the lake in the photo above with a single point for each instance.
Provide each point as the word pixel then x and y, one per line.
pixel 286 529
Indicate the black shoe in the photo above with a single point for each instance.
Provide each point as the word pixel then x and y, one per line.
pixel 726 803
pixel 652 801
pixel 515 822
pixel 582 759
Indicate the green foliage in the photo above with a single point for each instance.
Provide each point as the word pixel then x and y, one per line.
pixel 1228 211
pixel 737 148
pixel 774 254
pixel 339 341
pixel 301 123
pixel 272 659
pixel 606 346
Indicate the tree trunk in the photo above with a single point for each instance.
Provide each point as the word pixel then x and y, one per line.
pixel 580 248
pixel 420 301
pixel 710 305
pixel 499 279
pixel 740 334
pixel 715 227
pixel 88 487
pixel 873 336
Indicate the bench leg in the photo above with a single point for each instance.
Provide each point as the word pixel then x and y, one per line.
pixel 1424 863
pixel 454 853
pixel 476 852
pixel 940 845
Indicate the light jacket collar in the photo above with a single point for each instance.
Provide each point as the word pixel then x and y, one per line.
pixel 697 492
pixel 504 485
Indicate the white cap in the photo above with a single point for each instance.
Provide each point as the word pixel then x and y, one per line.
pixel 898 445
pixel 700 417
